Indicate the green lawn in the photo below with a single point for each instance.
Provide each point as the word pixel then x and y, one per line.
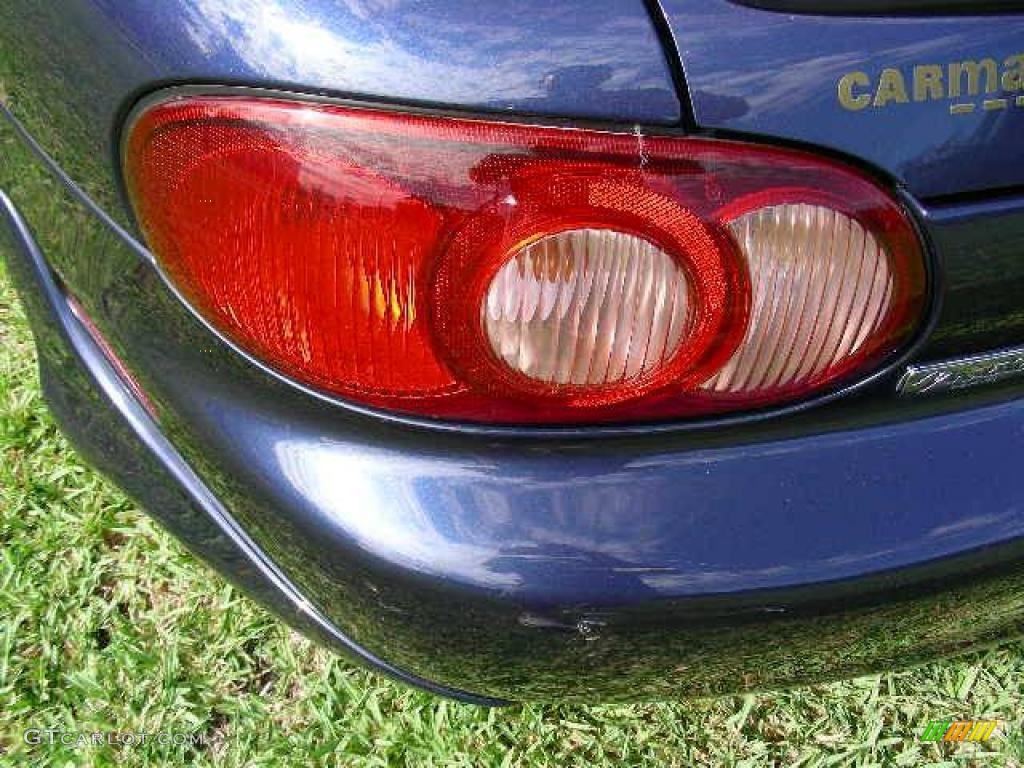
pixel 107 624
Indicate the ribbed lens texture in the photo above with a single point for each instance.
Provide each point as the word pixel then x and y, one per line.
pixel 317 271
pixel 587 307
pixel 821 286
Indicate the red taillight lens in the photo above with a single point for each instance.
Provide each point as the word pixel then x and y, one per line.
pixel 509 273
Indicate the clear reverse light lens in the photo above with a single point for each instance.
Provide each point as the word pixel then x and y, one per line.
pixel 821 284
pixel 587 307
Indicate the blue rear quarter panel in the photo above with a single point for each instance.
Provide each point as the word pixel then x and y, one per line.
pixel 777 75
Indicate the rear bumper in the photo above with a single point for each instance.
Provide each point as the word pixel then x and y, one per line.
pixel 632 567
pixel 102 415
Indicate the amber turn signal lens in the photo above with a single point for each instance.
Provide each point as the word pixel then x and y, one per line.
pixel 504 273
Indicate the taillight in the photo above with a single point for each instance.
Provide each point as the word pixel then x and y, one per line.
pixel 509 273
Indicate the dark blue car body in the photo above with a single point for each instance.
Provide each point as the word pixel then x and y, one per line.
pixel 868 529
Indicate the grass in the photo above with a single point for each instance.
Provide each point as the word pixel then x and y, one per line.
pixel 107 624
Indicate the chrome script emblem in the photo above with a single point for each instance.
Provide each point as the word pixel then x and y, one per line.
pixel 963 372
